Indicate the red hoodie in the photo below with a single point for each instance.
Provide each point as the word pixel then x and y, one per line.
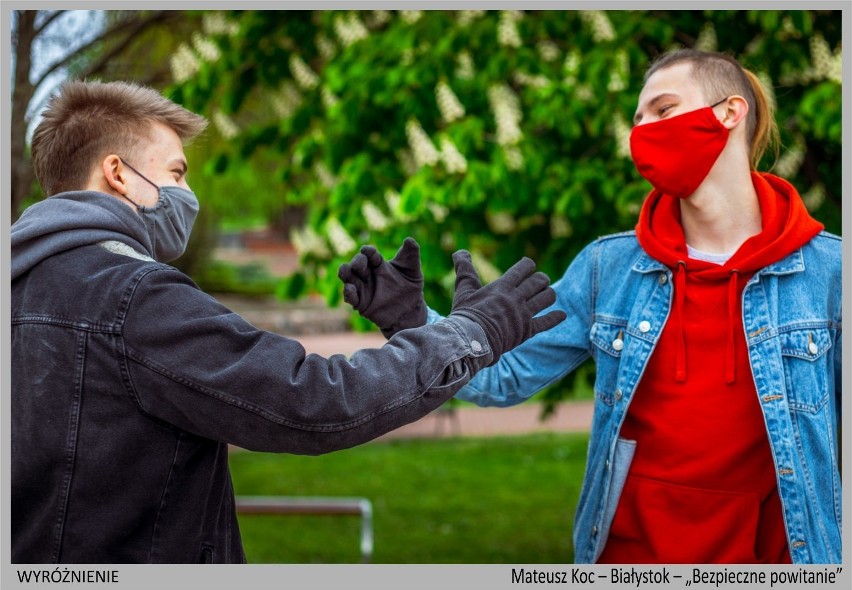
pixel 702 484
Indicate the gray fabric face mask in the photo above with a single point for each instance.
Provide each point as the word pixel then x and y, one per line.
pixel 170 221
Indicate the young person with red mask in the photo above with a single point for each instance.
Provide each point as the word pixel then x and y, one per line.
pixel 715 327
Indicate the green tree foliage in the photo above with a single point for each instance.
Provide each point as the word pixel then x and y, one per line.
pixel 503 132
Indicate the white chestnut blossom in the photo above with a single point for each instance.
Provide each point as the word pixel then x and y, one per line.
pixel 548 50
pixel 487 271
pixel 184 63
pixel 329 98
pixel 350 29
pixel 571 66
pixel 454 161
pixel 507 113
pixel 375 217
pixel 507 28
pixel 425 153
pixel 448 103
pixel 307 241
pixel 325 46
pixel 439 212
pixel 324 175
pixel 707 40
pixel 394 202
pixel 536 81
pixel 826 65
pixel 286 100
pixel 406 160
pixel 768 86
pixel 341 242
pixel 621 131
pixel 514 157
pixel 206 47
pixel 814 197
pixel 560 226
pixel 501 222
pixel 305 77
pixel 225 125
pixel 464 66
pixel 620 73
pixel 584 92
pixel 791 160
pixel 410 17
pixel 465 17
pixel 601 25
pixel 377 18
pixel 216 23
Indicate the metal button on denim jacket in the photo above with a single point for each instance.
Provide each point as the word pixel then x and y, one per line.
pixel 618 300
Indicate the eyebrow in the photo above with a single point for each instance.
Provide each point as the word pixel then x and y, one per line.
pixel 638 116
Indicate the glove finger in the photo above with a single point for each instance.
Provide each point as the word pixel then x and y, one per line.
pixel 407 258
pixel 359 266
pixel 532 285
pixel 344 273
pixel 541 300
pixel 467 279
pixel 350 295
pixel 374 258
pixel 519 271
pixel 548 320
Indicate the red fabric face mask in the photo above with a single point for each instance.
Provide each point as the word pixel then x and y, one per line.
pixel 675 155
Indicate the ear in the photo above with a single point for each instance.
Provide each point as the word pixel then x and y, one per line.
pixel 736 109
pixel 115 174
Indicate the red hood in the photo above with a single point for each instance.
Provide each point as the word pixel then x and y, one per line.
pixel 786 223
pixel 786 226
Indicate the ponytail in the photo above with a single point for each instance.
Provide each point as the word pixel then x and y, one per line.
pixel 766 134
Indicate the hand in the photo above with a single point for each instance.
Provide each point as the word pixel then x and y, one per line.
pixel 390 294
pixel 505 308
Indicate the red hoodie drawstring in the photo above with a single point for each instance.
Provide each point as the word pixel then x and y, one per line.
pixel 730 357
pixel 680 295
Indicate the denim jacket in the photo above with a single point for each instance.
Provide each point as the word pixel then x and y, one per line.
pixel 792 320
pixel 128 383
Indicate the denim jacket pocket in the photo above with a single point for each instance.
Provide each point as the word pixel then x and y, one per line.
pixel 805 358
pixel 608 339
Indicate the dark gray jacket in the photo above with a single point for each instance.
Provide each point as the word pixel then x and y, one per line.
pixel 128 382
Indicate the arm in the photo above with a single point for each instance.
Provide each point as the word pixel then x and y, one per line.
pixel 548 356
pixel 192 363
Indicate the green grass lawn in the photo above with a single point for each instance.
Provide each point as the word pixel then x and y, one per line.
pixel 464 500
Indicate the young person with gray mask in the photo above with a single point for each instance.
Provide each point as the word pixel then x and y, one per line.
pixel 128 382
pixel 715 328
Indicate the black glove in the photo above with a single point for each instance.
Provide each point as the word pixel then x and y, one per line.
pixel 390 294
pixel 505 308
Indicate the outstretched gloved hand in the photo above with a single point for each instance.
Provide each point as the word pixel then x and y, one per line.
pixel 388 293
pixel 504 308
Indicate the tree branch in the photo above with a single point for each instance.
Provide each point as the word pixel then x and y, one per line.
pixel 135 27
pixel 48 20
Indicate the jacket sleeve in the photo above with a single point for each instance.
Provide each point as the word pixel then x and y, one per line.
pixel 548 356
pixel 838 371
pixel 194 364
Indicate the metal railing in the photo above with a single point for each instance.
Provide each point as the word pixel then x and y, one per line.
pixel 332 506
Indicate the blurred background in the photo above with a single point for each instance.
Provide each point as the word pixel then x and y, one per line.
pixel 503 132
